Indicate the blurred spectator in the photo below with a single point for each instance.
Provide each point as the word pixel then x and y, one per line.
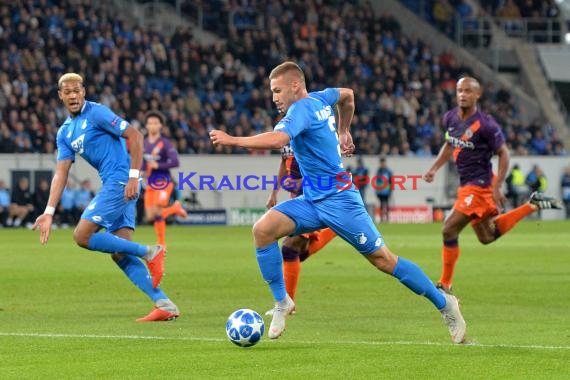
pixel 83 196
pixel 40 197
pixel 536 181
pixel 516 188
pixel 4 203
pixel 384 189
pixel 66 207
pixel 361 171
pixel 565 187
pixel 22 206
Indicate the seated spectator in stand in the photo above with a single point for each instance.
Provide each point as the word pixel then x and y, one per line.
pixel 40 197
pixel 510 15
pixel 22 206
pixel 4 203
pixel 66 207
pixel 83 197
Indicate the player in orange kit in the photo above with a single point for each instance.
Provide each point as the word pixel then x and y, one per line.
pixel 159 157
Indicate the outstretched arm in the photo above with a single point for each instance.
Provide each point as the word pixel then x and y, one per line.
pixel 267 140
pixel 58 183
pixel 444 155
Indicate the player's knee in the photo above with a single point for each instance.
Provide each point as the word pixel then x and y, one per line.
pixel 81 238
pixel 260 230
pixel 487 239
pixel 449 232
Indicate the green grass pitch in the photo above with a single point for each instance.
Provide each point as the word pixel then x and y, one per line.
pixel 67 313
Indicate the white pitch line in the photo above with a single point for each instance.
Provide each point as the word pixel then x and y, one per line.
pixel 365 343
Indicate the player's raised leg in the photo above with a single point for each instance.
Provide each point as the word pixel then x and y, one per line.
pixel 272 226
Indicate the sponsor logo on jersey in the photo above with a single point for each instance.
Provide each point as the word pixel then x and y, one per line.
pixel 77 144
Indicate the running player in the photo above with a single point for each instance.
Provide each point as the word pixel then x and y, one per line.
pixel 159 157
pixel 309 125
pixel 98 135
pixel 472 138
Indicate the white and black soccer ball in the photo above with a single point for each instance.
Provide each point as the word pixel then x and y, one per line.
pixel 245 327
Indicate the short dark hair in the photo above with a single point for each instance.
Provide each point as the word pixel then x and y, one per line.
pixel 154 113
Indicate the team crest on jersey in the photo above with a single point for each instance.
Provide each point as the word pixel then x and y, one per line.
pixel 362 239
pixel 84 125
pixel 77 144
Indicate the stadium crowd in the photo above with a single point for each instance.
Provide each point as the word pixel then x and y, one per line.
pixel 402 87
pixel 540 18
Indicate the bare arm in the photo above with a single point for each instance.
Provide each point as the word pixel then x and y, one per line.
pixel 272 201
pixel 444 155
pixel 267 140
pixel 504 159
pixel 58 182
pixel 136 141
pixel 345 106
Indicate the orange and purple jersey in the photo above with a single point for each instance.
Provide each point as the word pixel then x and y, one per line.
pixel 474 142
pixel 161 151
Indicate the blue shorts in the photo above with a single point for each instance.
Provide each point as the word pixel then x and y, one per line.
pixel 110 210
pixel 343 212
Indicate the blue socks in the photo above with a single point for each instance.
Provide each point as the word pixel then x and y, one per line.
pixel 416 280
pixel 109 243
pixel 138 274
pixel 271 265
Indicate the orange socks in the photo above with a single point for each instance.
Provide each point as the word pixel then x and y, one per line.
pixel 160 230
pixel 504 222
pixel 324 236
pixel 449 256
pixel 291 270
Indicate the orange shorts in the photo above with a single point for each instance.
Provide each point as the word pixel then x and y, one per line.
pixel 160 198
pixel 313 235
pixel 477 202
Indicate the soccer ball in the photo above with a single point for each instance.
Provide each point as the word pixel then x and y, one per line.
pixel 245 327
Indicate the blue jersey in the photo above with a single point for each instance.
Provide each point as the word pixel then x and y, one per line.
pixel 310 123
pixel 95 134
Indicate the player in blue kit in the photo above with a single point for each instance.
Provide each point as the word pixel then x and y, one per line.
pixel 98 135
pixel 309 126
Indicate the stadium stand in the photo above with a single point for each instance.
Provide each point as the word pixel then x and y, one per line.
pixel 403 87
